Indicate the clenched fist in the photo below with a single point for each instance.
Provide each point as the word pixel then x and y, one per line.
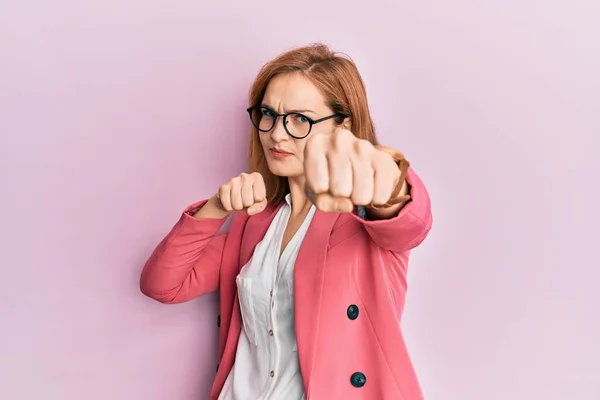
pixel 343 171
pixel 244 192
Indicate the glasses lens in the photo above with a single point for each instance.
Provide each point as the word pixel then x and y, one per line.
pixel 263 118
pixel 297 125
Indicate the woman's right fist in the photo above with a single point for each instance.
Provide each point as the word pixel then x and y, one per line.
pixel 244 192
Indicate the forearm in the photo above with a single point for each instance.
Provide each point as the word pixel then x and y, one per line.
pixel 186 262
pixel 210 210
pixel 405 226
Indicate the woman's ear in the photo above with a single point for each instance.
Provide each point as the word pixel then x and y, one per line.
pixel 347 123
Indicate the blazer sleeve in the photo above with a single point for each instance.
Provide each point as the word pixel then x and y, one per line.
pixel 186 263
pixel 412 224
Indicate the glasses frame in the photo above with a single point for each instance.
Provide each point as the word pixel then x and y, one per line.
pixel 285 116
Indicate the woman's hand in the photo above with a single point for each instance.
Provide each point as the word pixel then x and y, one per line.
pixel 343 171
pixel 244 192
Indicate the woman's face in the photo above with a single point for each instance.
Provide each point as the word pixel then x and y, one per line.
pixel 292 93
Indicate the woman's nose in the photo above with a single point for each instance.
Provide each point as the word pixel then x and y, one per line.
pixel 278 133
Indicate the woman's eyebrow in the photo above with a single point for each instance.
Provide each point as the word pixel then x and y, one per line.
pixel 295 110
pixel 302 111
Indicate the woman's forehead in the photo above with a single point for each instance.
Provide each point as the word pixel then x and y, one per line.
pixel 293 92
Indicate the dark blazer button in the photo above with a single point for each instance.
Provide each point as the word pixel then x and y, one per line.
pixel 217 367
pixel 219 321
pixel 352 311
pixel 358 379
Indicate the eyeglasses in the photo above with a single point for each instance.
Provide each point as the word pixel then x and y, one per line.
pixel 296 125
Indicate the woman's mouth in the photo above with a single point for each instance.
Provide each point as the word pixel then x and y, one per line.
pixel 280 153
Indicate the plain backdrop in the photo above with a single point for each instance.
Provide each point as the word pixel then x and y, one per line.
pixel 115 115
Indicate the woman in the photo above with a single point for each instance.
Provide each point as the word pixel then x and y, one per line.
pixel 311 270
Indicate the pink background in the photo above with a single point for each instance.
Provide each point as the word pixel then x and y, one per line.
pixel 114 115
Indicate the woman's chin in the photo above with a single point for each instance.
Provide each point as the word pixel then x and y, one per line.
pixel 284 171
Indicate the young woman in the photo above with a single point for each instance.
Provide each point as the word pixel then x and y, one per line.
pixel 311 268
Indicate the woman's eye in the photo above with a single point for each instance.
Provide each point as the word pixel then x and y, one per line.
pixel 302 119
pixel 268 113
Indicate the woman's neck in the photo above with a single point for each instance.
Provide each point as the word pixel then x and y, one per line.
pixel 300 202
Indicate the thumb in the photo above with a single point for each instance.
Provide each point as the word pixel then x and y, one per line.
pixel 257 207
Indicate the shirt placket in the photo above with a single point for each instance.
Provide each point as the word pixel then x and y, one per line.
pixel 273 330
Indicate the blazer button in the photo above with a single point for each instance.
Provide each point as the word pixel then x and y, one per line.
pixel 352 311
pixel 219 321
pixel 358 379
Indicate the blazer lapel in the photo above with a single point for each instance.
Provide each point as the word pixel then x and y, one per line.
pixel 255 231
pixel 308 288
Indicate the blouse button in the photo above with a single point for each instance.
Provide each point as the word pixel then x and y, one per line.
pixel 270 332
pixel 272 373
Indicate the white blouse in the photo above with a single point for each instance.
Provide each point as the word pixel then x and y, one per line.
pixel 266 362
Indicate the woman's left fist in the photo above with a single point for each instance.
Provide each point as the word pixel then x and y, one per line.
pixel 343 171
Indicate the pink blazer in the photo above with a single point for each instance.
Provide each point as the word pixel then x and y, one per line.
pixel 349 283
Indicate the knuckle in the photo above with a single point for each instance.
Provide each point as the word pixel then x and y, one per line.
pixel 382 161
pixel 389 159
pixel 363 147
pixel 344 139
pixel 244 177
pixel 345 134
pixel 235 182
pixel 256 175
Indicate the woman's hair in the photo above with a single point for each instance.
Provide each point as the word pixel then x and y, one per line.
pixel 340 83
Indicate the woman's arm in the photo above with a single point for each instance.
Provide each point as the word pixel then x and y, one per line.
pixel 187 261
pixel 404 226
pixel 394 209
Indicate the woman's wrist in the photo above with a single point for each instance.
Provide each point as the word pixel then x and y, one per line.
pixel 401 193
pixel 211 210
